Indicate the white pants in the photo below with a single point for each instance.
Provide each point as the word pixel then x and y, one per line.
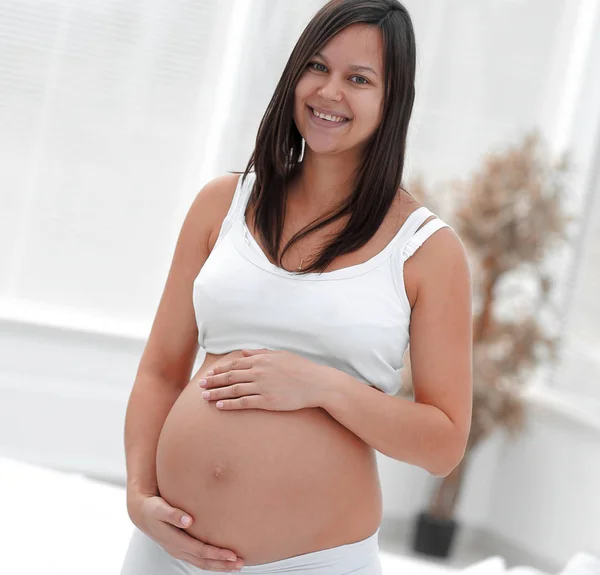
pixel 145 557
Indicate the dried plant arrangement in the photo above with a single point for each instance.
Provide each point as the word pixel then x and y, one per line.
pixel 511 216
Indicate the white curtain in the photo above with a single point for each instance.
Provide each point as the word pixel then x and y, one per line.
pixel 100 100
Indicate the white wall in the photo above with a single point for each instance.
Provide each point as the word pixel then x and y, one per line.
pixel 545 491
pixel 105 115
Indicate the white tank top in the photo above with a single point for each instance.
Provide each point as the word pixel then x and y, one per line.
pixel 354 319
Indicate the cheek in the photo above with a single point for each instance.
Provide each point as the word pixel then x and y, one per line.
pixel 369 110
pixel 303 90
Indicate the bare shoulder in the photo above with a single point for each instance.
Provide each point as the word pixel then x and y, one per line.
pixel 442 260
pixel 443 247
pixel 220 190
pixel 212 204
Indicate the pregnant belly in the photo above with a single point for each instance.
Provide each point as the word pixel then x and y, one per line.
pixel 268 485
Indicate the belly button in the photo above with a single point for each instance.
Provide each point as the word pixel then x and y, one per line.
pixel 218 471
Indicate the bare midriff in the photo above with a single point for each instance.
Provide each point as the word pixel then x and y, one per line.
pixel 267 485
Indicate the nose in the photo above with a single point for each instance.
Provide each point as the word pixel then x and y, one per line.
pixel 330 89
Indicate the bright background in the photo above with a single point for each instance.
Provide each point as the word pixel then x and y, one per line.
pixel 113 113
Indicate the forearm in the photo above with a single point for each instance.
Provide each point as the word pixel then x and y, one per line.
pixel 149 404
pixel 415 433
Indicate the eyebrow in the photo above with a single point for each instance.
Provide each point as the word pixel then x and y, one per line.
pixel 355 67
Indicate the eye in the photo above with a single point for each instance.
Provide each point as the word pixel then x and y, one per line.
pixel 361 80
pixel 317 66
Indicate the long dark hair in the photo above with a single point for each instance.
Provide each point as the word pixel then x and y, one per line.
pixel 278 146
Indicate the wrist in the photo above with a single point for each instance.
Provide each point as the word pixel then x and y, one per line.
pixel 328 387
pixel 134 502
pixel 137 493
pixel 136 487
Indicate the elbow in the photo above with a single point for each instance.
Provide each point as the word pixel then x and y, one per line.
pixel 449 459
pixel 444 471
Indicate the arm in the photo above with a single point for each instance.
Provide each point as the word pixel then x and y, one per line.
pixel 172 346
pixel 432 431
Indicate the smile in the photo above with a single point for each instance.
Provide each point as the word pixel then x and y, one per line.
pixel 327 119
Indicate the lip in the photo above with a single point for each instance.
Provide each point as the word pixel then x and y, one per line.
pixel 326 123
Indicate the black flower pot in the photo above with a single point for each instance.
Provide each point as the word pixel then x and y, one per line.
pixel 434 536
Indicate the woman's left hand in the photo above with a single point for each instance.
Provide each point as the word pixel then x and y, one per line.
pixel 265 379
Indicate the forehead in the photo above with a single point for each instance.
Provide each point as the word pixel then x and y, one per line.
pixel 358 44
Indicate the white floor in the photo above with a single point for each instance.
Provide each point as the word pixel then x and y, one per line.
pixel 55 523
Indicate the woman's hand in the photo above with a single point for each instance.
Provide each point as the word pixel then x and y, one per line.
pixel 264 379
pixel 162 523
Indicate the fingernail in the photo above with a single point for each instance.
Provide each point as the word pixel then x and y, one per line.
pixel 219 404
pixel 210 372
pixel 206 394
pixel 202 382
pixel 185 520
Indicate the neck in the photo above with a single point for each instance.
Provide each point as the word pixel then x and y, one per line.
pixel 325 181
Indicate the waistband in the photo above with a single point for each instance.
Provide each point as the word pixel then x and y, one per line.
pixel 339 560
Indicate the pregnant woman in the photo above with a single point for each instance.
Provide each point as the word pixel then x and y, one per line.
pixel 302 281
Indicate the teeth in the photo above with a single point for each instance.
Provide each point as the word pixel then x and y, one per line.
pixel 328 117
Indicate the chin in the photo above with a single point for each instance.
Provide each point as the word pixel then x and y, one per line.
pixel 322 149
pixel 332 145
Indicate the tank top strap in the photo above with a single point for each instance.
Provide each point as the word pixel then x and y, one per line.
pixel 237 208
pixel 412 223
pixel 417 238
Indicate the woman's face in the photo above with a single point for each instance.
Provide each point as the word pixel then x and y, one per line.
pixel 344 80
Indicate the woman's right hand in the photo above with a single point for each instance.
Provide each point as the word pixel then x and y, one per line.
pixel 162 523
